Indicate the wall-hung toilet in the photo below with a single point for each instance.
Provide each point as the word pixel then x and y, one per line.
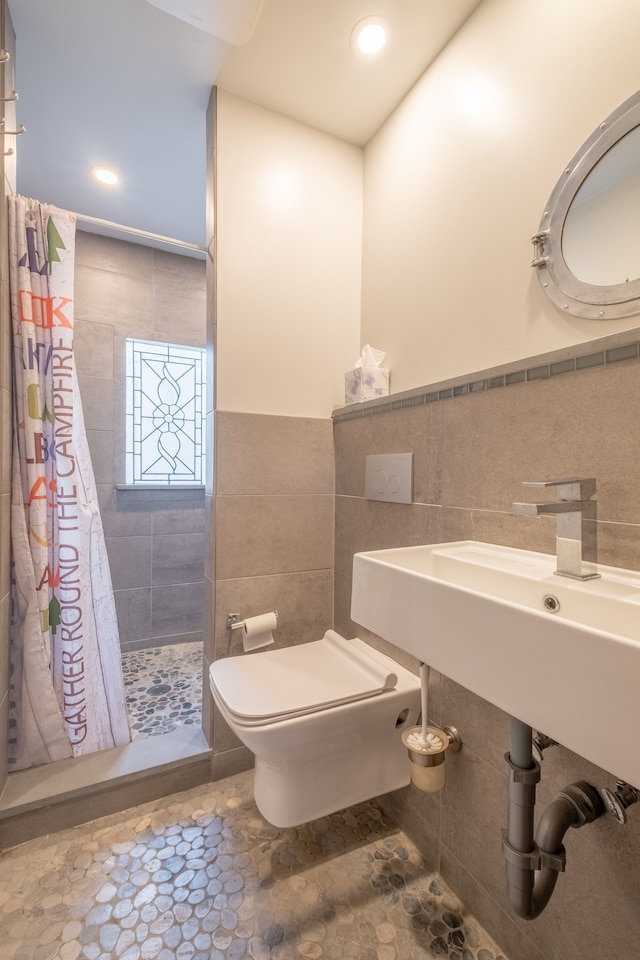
pixel 324 720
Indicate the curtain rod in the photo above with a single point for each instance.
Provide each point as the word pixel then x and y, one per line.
pixel 139 233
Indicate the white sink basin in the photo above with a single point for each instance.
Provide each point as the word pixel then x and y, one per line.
pixel 476 612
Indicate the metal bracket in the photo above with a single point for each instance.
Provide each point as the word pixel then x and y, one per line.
pixel 542 742
pixel 455 740
pixel 539 241
pixel 536 859
pixel 618 802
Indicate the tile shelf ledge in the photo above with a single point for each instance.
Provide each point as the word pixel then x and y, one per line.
pixel 572 359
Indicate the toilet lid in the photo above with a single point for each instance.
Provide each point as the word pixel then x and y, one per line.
pixel 301 679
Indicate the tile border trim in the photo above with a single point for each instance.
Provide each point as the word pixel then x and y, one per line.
pixel 584 356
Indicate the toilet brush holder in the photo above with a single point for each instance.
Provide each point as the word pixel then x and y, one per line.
pixel 426 760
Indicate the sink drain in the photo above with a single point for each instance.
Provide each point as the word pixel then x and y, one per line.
pixel 551 603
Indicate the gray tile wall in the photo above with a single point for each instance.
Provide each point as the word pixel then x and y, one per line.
pixel 7 75
pixel 155 538
pixel 273 532
pixel 470 455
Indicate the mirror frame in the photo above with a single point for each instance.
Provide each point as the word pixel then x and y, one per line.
pixel 563 288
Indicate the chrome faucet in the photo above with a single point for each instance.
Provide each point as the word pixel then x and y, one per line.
pixel 576 533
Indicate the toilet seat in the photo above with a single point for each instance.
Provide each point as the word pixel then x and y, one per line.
pixel 299 680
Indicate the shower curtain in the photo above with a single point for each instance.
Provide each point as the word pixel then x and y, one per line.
pixel 67 691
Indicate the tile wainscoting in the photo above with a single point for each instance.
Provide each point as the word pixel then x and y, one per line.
pixel 472 449
pixel 273 539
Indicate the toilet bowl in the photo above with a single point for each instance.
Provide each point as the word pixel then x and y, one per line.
pixel 324 720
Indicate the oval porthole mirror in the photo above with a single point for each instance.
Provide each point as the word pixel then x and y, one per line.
pixel 587 247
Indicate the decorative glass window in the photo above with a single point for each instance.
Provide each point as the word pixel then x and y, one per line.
pixel 165 432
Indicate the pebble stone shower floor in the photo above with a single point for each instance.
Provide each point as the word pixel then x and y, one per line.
pixel 201 876
pixel 163 687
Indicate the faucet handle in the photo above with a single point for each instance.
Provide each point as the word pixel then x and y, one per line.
pixel 572 489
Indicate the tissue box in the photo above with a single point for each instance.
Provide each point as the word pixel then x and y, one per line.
pixel 365 383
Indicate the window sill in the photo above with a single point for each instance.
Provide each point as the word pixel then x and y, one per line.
pixel 159 486
pixel 155 491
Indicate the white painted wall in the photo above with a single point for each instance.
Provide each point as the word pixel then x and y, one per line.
pixel 289 228
pixel 456 182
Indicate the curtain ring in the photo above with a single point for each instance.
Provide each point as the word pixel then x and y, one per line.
pixel 13 133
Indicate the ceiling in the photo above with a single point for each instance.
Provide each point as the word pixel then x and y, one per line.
pixel 126 84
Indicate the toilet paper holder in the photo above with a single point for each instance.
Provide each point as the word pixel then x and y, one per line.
pixel 233 623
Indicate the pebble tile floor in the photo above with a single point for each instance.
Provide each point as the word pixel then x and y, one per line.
pixel 163 686
pixel 201 876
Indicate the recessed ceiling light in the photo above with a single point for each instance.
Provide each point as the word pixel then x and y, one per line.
pixel 106 176
pixel 369 35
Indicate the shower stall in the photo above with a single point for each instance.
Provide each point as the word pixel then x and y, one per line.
pixel 126 292
pixel 155 538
